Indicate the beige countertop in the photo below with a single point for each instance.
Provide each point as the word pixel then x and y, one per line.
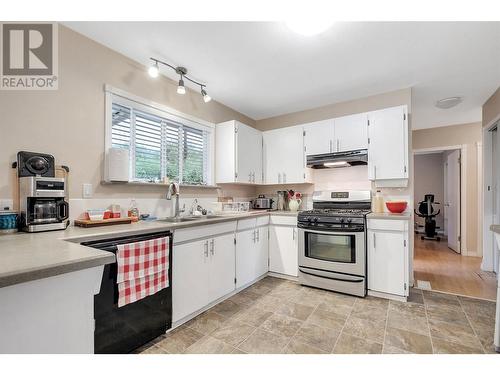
pixel 495 228
pixel 32 256
pixel 389 215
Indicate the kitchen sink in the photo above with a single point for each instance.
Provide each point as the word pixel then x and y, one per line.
pixel 178 219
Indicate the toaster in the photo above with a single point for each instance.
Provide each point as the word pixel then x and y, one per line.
pixel 261 202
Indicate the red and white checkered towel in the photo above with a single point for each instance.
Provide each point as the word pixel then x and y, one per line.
pixel 142 269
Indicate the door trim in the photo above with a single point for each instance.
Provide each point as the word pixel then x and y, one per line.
pixel 463 189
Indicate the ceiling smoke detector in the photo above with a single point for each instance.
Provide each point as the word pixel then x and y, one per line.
pixel 449 102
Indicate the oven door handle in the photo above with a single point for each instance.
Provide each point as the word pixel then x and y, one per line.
pixel 332 278
pixel 331 233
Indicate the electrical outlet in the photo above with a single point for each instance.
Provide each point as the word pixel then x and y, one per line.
pixel 87 191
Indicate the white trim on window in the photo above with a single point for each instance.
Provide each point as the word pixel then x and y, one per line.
pixel 120 97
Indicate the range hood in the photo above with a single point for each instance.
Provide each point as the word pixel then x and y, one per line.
pixel 338 159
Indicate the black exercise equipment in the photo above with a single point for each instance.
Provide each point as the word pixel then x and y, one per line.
pixel 426 210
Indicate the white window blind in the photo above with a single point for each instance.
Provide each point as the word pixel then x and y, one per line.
pixel 160 146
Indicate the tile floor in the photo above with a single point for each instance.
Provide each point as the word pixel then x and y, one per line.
pixel 280 316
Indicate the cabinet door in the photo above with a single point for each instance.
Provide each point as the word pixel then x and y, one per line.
pixel 284 155
pixel 248 154
pixel 283 251
pixel 272 157
pixel 318 138
pixel 386 262
pixel 222 266
pixel 262 251
pixel 189 278
pixel 246 254
pixel 351 132
pixel 388 147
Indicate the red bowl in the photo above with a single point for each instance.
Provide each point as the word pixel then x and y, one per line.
pixel 396 207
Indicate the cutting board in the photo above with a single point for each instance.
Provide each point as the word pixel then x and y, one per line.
pixel 100 223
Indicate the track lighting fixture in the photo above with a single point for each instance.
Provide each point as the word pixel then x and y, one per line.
pixel 206 97
pixel 154 70
pixel 182 72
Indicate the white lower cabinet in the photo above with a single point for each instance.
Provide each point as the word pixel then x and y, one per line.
pixel 283 250
pixel 388 257
pixel 252 256
pixel 202 272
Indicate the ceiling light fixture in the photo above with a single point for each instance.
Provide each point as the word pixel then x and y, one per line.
pixel 309 27
pixel 182 72
pixel 154 70
pixel 449 102
pixel 206 97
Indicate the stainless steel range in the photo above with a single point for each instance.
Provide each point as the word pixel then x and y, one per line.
pixel 332 241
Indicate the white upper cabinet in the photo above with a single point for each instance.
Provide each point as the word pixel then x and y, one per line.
pixel 388 145
pixel 238 153
pixel 284 156
pixel 351 133
pixel 318 137
pixel 346 133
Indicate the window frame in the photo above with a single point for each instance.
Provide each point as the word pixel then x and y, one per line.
pixel 120 97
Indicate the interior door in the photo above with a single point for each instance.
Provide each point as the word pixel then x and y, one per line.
pixel 452 205
pixel 249 154
pixel 318 138
pixel 245 257
pixel 190 275
pixel 221 270
pixel 351 132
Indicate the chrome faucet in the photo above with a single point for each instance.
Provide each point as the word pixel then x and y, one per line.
pixel 173 190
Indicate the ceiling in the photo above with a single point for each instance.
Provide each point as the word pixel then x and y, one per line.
pixel 263 69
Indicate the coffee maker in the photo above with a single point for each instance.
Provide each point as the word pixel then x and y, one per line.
pixel 42 202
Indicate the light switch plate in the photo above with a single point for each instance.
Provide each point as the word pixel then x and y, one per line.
pixel 87 191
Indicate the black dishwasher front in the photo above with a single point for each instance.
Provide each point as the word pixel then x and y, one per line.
pixel 123 329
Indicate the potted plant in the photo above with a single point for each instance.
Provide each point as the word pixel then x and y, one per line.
pixel 294 200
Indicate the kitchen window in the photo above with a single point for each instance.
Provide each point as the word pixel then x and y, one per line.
pixel 161 144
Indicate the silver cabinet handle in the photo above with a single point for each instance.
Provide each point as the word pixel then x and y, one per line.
pixel 338 145
pixel 293 234
pixel 212 246
pixel 206 249
pixel 284 177
pixel 250 177
pixel 253 236
pixel 374 240
pixel 374 172
pixel 253 176
pixel 279 178
pixel 258 235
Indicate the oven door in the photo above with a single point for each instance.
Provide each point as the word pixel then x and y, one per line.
pixel 342 252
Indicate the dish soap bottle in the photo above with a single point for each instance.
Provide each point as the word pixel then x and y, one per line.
pixel 133 211
pixel 378 203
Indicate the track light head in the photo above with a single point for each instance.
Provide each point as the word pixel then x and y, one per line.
pixel 180 88
pixel 206 97
pixel 154 70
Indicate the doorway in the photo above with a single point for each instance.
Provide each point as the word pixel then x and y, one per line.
pixel 440 262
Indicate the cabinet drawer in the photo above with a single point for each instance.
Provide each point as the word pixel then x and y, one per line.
pixel 246 224
pixel 190 234
pixel 283 220
pixel 392 225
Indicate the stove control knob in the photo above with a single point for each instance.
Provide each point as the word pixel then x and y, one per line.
pixel 349 221
pixel 315 220
pixel 309 219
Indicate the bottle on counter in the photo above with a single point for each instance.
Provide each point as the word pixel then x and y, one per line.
pixel 133 211
pixel 378 203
